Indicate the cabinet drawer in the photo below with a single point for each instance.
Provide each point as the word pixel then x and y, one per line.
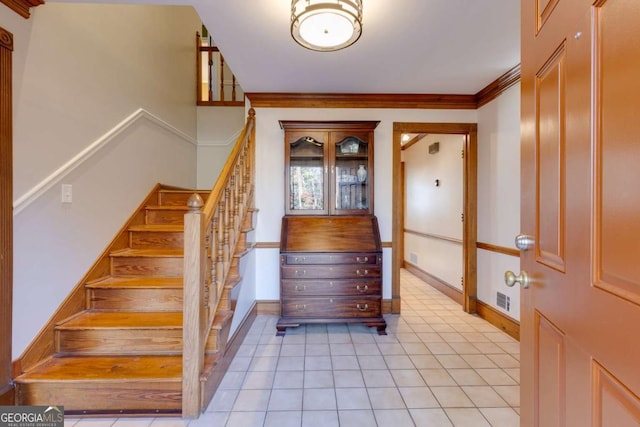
pixel 330 271
pixel 327 307
pixel 293 288
pixel 347 258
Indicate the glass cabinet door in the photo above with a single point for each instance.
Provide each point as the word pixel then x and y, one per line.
pixel 306 174
pixel 352 174
pixel 328 167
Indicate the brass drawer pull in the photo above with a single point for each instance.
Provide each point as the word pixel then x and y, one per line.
pixel 301 288
pixel 300 259
pixel 362 260
pixel 301 272
pixel 301 306
pixel 364 307
pixel 363 273
pixel 365 288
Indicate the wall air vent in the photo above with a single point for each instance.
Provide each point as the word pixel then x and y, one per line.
pixel 503 301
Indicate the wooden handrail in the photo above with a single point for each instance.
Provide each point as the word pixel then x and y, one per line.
pixel 215 60
pixel 211 232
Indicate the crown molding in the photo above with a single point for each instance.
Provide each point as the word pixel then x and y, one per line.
pixel 498 86
pixel 360 100
pixel 386 100
pixel 21 7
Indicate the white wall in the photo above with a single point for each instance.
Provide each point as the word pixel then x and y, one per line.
pixel 218 131
pixel 435 210
pixel 498 185
pixel 270 172
pixel 79 70
pixel 499 195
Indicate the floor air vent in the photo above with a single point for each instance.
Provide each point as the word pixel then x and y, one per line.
pixel 503 301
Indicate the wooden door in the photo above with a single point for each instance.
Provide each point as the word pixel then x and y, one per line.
pixel 580 316
pixel 6 217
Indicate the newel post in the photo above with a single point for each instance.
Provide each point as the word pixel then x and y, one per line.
pixel 193 307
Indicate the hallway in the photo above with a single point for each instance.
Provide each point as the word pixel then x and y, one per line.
pixel 438 366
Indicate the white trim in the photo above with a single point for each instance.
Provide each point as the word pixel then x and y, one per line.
pixel 231 140
pixel 39 189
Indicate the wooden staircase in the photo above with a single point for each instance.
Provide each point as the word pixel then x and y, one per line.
pixel 123 353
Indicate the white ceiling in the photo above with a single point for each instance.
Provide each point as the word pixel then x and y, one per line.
pixel 407 46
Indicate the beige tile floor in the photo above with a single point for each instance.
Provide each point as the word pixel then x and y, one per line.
pixel 438 366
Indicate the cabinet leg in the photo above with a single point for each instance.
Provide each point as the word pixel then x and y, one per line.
pixel 281 331
pixel 382 329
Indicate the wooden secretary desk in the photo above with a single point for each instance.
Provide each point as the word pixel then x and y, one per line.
pixel 330 249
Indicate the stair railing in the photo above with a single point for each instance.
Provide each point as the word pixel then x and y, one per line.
pixel 213 88
pixel 211 231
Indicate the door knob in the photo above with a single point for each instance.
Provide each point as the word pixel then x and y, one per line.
pixel 511 279
pixel 524 242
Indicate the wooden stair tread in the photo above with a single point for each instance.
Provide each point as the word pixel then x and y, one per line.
pixel 222 317
pixel 249 248
pixel 171 228
pixel 120 368
pixel 168 190
pixel 232 281
pixel 115 355
pixel 123 320
pixel 166 208
pixel 150 253
pixel 133 282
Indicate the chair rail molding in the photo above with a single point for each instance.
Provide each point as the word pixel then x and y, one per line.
pixel 43 186
pixel 229 141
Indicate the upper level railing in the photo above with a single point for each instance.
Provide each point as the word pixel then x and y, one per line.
pixel 211 232
pixel 216 83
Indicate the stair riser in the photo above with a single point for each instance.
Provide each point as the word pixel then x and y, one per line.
pixel 119 341
pixel 136 299
pixel 156 240
pixel 219 335
pixel 229 298
pixel 161 217
pixel 248 221
pixel 103 395
pixel 143 266
pixel 215 338
pixel 178 199
pixel 234 269
pixel 242 244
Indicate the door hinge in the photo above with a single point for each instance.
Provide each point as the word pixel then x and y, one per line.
pixel 462 217
pixel 463 154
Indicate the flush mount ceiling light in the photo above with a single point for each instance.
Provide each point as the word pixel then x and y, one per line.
pixel 326 25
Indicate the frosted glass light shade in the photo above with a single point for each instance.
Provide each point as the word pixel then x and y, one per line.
pixel 326 25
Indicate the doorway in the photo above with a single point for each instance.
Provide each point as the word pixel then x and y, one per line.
pixel 469 223
pixel 433 204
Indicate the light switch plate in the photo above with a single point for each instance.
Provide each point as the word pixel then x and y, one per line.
pixel 67 193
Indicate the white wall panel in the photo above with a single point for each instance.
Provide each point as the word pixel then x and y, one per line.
pixel 79 70
pixel 499 193
pixel 218 131
pixel 270 172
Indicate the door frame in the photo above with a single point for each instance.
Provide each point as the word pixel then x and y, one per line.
pixel 6 216
pixel 470 207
